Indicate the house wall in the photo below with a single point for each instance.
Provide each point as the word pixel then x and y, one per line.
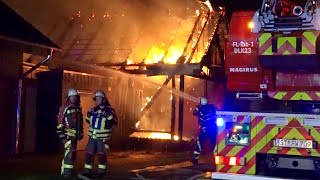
pixel 10 70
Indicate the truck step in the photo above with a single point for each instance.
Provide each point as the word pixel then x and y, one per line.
pixel 249 96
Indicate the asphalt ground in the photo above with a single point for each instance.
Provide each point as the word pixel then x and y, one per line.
pixel 121 165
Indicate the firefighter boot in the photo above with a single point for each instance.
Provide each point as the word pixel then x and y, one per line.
pixel 102 167
pixel 194 161
pixel 87 173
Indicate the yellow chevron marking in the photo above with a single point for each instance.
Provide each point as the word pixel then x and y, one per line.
pixel 280 95
pixel 292 118
pixel 286 53
pixel 262 142
pixel 299 119
pixel 268 51
pixel 271 134
pixel 259 127
pixel 251 153
pixel 252 170
pixel 301 96
pixel 316 135
pixel 304 50
pixel 294 133
pixel 234 169
pixel 293 151
pixel 282 40
pixel 221 145
pixel 219 167
pixel 310 37
pixel 292 41
pixel 264 38
pixel 234 151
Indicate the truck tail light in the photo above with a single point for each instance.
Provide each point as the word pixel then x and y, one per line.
pixel 218 160
pixel 232 161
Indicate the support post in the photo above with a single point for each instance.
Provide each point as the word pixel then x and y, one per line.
pixel 181 102
pixel 173 108
pixel 18 105
pixel 154 97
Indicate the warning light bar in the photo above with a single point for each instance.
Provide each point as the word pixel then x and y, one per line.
pixel 220 122
pixel 232 161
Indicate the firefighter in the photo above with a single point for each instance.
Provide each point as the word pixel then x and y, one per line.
pixel 101 119
pixel 206 114
pixel 70 130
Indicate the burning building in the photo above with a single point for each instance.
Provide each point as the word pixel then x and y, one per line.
pixel 112 45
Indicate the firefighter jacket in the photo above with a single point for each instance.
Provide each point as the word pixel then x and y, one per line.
pixel 206 115
pixel 70 122
pixel 101 122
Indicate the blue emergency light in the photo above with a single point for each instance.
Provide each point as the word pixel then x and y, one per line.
pixel 220 122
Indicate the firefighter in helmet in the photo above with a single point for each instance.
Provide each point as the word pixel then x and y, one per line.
pixel 70 130
pixel 101 119
pixel 206 114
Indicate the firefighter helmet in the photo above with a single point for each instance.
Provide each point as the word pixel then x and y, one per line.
pixel 100 94
pixel 203 101
pixel 72 92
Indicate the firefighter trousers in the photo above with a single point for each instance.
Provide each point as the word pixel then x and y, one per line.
pixel 205 133
pixel 96 146
pixel 70 155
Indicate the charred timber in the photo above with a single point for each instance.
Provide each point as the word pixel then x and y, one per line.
pixel 173 69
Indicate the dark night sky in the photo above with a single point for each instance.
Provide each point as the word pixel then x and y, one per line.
pixel 237 5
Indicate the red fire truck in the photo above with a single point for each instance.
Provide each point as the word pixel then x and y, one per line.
pixel 272 66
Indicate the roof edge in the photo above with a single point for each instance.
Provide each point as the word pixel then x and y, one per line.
pixel 29 43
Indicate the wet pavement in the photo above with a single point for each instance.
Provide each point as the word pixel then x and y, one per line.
pixel 121 165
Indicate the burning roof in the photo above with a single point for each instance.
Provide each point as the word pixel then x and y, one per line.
pixel 131 31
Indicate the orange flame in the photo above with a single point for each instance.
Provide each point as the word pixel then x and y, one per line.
pixel 157 54
pixel 154 135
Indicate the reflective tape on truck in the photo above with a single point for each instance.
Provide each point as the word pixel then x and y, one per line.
pixel 288 45
pixel 266 131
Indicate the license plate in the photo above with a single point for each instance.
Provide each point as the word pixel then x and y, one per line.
pixel 293 143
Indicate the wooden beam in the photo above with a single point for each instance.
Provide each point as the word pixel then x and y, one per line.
pixel 173 69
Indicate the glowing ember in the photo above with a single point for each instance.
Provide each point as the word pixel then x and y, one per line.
pixel 154 135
